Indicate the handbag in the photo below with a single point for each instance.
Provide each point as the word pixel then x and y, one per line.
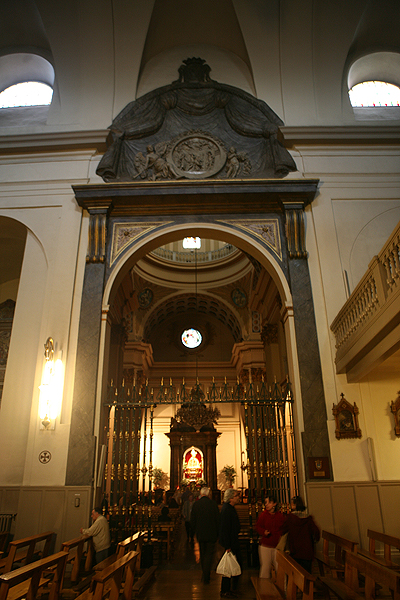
pixel 281 545
pixel 228 566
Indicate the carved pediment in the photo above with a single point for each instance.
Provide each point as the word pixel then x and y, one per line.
pixel 195 128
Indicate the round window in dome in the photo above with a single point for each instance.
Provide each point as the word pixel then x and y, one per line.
pixel 191 338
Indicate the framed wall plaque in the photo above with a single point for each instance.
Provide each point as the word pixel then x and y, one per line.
pixel 395 408
pixel 346 417
pixel 318 467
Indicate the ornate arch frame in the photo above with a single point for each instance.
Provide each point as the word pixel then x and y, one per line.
pixel 157 213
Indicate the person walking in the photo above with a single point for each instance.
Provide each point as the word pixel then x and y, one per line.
pixel 204 521
pixel 186 512
pixel 302 534
pixel 100 534
pixel 229 539
pixel 269 526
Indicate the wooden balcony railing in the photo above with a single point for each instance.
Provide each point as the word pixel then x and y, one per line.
pixel 371 314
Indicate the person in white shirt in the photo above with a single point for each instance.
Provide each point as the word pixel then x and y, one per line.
pixel 100 534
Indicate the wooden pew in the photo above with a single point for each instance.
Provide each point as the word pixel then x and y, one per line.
pixel 134 542
pixel 4 535
pixel 25 581
pixel 75 552
pixel 334 561
pixel 374 574
pixel 388 542
pixel 23 550
pixel 108 581
pixel 291 578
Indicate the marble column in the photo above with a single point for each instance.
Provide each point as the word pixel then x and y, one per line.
pixel 315 440
pixel 81 450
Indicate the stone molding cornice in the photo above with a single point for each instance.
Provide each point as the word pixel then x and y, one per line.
pixel 61 140
pixel 374 134
pixel 54 140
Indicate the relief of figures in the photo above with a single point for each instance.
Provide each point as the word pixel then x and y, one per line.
pixel 233 163
pixel 153 165
pixel 237 133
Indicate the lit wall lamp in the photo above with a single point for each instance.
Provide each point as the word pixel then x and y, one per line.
pixel 51 387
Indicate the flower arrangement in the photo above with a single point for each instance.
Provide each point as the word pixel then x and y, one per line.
pixel 193 485
pixel 159 478
pixel 230 473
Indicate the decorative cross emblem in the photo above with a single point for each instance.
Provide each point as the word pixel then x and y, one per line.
pixel 44 457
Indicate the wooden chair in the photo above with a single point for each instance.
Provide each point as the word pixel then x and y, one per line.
pixel 291 580
pixel 332 557
pixel 26 581
pixel 24 550
pixel 374 575
pixel 388 542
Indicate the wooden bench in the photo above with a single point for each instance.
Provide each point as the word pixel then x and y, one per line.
pixel 374 575
pixel 334 560
pixel 108 582
pixel 24 550
pixel 291 578
pixel 25 581
pixel 134 542
pixel 388 542
pixel 75 552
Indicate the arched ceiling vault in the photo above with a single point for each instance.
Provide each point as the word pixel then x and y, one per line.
pixel 224 293
pixel 197 24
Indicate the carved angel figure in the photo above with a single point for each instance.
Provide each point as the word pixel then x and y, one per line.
pixel 153 165
pixel 233 162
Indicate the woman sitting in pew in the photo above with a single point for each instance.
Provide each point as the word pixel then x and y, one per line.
pixel 302 534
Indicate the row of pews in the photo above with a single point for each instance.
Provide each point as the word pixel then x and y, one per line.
pixel 119 574
pixel 345 572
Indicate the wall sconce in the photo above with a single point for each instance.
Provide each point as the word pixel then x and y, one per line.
pixel 51 387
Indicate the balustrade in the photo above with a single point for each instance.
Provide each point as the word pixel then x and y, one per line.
pixel 370 296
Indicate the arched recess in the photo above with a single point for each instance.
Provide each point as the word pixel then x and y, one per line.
pixel 171 216
pixel 21 394
pixel 196 33
pixel 215 231
pixel 153 240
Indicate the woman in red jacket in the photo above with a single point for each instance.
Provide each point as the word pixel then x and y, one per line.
pixel 269 526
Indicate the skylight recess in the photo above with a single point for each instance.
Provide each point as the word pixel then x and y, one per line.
pixel 28 93
pixel 374 94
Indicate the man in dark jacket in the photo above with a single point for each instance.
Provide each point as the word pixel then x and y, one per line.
pixel 229 538
pixel 204 521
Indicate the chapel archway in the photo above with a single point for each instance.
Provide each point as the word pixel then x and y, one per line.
pixel 195 158
pixel 173 291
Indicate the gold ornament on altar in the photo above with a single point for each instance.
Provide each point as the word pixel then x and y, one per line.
pixel 197 415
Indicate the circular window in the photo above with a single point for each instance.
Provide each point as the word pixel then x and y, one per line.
pixel 191 338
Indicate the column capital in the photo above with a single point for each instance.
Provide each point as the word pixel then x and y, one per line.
pixel 295 229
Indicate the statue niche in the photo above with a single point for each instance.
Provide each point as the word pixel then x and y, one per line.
pixel 193 441
pixel 195 128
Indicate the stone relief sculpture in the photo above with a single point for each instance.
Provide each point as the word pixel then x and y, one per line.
pixel 195 128
pixel 153 165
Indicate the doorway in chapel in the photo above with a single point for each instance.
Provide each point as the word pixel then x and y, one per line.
pixel 196 380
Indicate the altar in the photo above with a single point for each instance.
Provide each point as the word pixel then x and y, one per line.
pixel 193 455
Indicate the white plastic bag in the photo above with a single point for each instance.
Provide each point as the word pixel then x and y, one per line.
pixel 228 566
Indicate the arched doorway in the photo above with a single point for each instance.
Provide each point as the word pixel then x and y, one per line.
pixel 153 374
pixel 12 247
pixel 263 221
